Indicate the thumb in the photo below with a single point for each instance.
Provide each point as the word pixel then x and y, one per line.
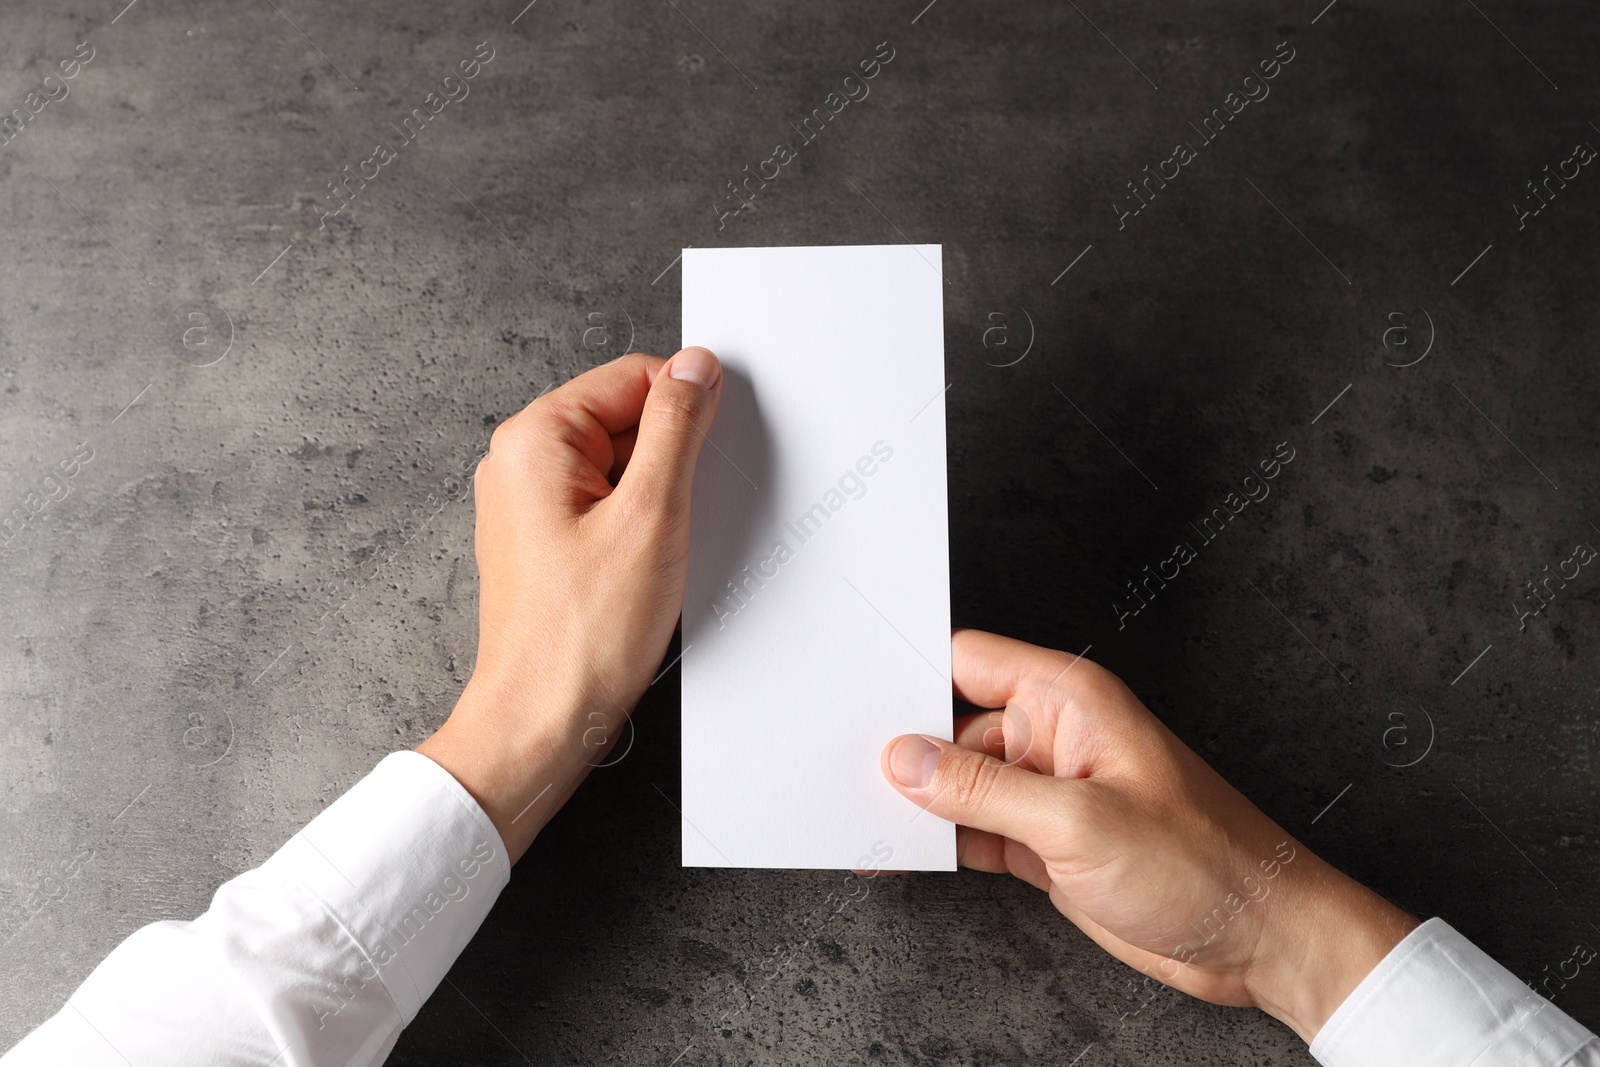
pixel 972 789
pixel 677 413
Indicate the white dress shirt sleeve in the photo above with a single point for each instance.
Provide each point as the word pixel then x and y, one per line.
pixel 319 957
pixel 1437 1000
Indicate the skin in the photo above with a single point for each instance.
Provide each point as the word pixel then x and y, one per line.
pixel 1069 783
pixel 582 543
pixel 1072 785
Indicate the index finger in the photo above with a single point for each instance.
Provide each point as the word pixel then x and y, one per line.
pixel 612 394
pixel 988 670
pixel 588 415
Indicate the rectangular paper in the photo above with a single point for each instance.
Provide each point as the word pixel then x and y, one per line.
pixel 816 624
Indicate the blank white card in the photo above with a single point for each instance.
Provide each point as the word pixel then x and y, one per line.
pixel 816 624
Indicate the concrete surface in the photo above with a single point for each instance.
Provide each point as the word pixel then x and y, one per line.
pixel 171 709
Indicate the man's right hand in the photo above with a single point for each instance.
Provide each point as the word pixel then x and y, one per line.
pixel 1072 785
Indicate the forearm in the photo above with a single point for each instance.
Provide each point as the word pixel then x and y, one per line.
pixel 319 956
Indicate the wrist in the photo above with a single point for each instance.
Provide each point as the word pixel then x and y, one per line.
pixel 519 752
pixel 1325 936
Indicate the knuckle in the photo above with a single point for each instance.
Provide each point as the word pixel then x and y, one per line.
pixel 506 437
pixel 644 362
pixel 676 408
pixel 523 432
pixel 972 780
pixel 1078 680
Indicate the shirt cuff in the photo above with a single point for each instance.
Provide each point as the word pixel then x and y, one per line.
pixel 1438 999
pixel 357 919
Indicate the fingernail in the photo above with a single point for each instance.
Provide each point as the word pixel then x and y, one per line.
pixel 912 760
pixel 695 365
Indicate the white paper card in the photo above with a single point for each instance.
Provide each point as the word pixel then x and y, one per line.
pixel 816 625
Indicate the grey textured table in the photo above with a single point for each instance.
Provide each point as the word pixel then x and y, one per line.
pixel 237 403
